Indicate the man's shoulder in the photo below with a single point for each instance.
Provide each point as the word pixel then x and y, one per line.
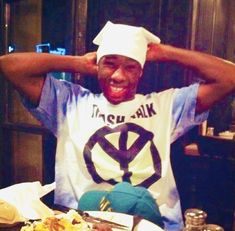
pixel 62 84
pixel 160 94
pixel 183 91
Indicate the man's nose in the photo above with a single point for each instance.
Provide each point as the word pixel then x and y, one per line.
pixel 118 75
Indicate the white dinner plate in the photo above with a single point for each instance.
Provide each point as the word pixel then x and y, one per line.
pixel 227 135
pixel 125 219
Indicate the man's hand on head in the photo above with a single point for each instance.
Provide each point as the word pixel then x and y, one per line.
pixel 218 74
pixel 156 52
pixel 88 64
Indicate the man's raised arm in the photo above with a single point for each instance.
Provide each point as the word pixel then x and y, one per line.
pixel 27 71
pixel 219 74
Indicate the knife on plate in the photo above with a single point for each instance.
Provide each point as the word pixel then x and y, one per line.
pixel 92 219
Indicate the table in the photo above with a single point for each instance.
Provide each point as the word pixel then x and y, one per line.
pixel 12 228
pixel 217 147
pixel 210 179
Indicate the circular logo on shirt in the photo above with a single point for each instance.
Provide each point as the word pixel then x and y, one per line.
pixel 124 153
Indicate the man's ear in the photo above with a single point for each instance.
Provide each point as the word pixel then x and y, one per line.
pixel 141 73
pixel 151 52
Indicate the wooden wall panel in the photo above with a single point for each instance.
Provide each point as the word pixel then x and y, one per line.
pixel 211 28
pixel 231 32
pixel 25 33
pixel 27 160
pixel 25 27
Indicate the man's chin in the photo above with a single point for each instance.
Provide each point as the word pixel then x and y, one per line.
pixel 115 101
pixel 115 98
pixel 118 100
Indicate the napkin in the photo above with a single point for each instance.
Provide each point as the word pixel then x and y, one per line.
pixel 21 202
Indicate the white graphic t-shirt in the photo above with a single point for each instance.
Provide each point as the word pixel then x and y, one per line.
pixel 100 144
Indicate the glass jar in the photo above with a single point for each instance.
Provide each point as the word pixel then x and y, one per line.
pixel 212 227
pixel 195 219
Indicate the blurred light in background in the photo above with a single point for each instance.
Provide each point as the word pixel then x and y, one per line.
pixel 46 48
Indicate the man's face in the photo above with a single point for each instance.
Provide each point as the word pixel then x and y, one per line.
pixel 118 77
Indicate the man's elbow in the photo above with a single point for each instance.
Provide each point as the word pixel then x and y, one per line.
pixel 7 67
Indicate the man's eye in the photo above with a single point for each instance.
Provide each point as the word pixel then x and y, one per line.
pixel 131 68
pixel 109 64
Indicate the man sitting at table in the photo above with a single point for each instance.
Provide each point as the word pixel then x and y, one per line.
pixel 118 135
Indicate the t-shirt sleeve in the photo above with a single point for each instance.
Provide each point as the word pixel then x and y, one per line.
pixel 183 112
pixel 53 102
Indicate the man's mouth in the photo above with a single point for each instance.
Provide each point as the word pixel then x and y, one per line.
pixel 117 89
pixel 117 93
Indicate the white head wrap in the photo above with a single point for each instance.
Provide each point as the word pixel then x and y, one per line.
pixel 120 39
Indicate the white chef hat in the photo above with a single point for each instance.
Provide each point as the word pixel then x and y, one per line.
pixel 120 39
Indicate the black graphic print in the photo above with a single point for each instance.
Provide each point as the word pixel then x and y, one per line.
pixel 123 153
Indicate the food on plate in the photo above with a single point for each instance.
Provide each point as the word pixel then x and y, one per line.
pixel 8 213
pixel 70 221
pixel 101 227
